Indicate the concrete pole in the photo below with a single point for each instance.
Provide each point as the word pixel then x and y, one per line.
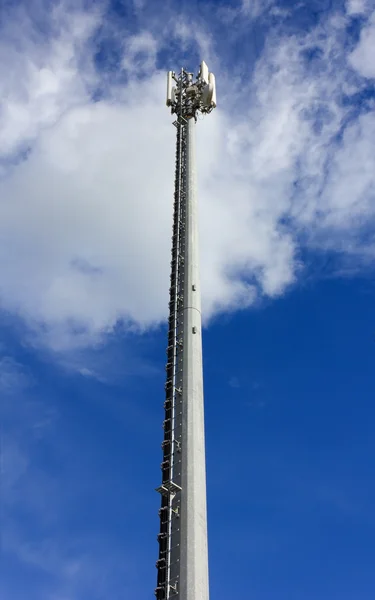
pixel 194 555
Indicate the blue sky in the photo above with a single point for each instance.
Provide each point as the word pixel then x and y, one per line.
pixel 286 182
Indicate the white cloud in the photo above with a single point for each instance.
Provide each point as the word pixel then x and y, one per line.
pixel 356 7
pixel 85 221
pixel 41 77
pixel 140 56
pixel 362 58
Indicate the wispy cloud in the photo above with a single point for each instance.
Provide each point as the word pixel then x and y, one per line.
pixel 254 8
pixel 234 382
pixel 14 378
pixel 43 492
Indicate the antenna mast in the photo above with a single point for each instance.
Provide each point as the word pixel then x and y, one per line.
pixel 183 559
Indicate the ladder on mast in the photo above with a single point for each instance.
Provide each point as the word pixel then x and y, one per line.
pixel 170 490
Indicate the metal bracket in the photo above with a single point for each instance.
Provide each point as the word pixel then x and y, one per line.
pixel 169 488
pixel 173 589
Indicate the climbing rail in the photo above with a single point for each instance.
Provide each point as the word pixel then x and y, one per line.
pixel 170 489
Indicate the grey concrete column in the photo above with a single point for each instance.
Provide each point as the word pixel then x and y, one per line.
pixel 194 556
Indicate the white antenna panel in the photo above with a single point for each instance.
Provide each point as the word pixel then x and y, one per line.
pixel 204 72
pixel 207 95
pixel 170 91
pixel 212 83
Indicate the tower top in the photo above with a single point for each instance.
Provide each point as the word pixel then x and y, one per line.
pixel 186 95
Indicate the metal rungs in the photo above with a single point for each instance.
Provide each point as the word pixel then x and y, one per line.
pixel 175 515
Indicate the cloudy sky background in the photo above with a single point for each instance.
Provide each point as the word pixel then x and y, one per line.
pixel 286 182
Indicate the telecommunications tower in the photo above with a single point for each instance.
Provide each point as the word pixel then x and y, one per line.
pixel 183 559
